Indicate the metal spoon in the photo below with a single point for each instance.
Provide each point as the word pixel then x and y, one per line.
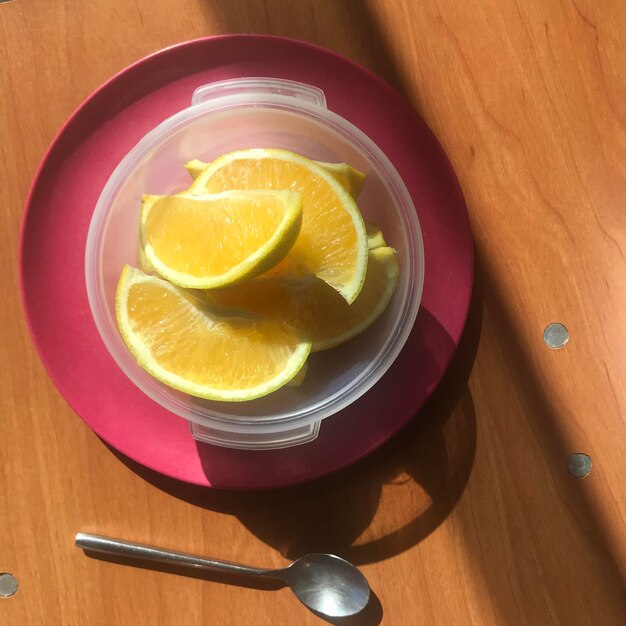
pixel 325 583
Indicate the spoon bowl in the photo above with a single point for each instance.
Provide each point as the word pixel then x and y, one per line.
pixel 328 584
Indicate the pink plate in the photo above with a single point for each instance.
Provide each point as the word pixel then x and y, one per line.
pixel 64 193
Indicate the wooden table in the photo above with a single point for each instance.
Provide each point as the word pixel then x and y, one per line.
pixel 470 516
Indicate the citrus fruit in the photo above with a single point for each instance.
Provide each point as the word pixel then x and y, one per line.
pixel 209 241
pixel 206 352
pixel 350 179
pixel 298 379
pixel 375 237
pixel 347 176
pixel 332 243
pixel 144 263
pixel 307 303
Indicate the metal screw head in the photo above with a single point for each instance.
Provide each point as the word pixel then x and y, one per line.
pixel 555 335
pixel 579 465
pixel 8 585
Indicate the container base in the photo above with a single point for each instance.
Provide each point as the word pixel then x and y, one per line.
pixel 256 441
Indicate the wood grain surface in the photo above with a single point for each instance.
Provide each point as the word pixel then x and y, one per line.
pixel 470 515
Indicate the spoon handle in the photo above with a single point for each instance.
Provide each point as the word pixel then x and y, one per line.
pixel 138 551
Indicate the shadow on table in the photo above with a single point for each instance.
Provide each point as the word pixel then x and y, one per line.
pixel 444 437
pixel 524 385
pixel 383 504
pixel 354 31
pixel 375 509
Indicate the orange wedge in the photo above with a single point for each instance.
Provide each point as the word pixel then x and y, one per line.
pixel 332 243
pixel 185 343
pixel 308 304
pixel 209 241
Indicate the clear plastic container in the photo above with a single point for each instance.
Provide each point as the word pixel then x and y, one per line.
pixel 257 113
